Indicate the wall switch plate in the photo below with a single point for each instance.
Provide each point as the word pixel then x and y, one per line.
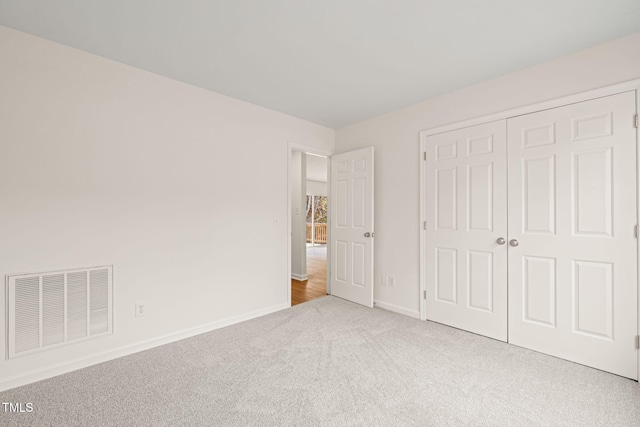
pixel 392 282
pixel 141 309
pixel 385 280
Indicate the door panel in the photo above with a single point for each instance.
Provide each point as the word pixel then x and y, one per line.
pixel 539 284
pixel 480 209
pixel 592 192
pixel 480 280
pixel 352 218
pixel 538 195
pixel 447 194
pixel 466 213
pixel 572 209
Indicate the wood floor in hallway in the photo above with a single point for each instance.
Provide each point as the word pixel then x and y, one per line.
pixel 316 285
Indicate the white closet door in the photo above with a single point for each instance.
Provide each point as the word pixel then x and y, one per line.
pixel 466 215
pixel 572 213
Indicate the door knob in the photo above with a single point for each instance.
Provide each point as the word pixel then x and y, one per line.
pixel 501 241
pixel 513 242
pixel 367 234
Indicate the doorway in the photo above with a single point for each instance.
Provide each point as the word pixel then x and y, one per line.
pixel 309 221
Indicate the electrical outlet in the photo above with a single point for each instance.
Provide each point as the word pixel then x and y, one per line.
pixel 385 280
pixel 392 282
pixel 141 309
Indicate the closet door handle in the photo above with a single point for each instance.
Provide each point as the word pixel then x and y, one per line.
pixel 513 242
pixel 501 241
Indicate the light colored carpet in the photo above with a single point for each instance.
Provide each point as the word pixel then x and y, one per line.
pixel 332 363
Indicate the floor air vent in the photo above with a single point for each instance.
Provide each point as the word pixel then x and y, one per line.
pixel 49 310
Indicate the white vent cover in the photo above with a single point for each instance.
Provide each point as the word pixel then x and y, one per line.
pixel 48 310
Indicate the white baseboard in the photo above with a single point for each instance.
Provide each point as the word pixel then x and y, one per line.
pixel 300 277
pixel 52 371
pixel 397 309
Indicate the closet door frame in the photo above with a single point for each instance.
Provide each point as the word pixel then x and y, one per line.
pixel 633 85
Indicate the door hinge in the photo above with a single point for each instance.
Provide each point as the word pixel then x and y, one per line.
pixel 637 342
pixel 635 231
pixel 424 225
pixel 424 294
pixel 636 121
pixel 424 156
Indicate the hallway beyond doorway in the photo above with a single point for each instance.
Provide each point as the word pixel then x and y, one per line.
pixel 316 285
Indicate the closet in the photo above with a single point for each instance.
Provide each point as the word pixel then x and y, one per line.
pixel 530 231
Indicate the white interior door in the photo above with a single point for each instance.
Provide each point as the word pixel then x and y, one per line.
pixel 466 230
pixel 572 213
pixel 351 231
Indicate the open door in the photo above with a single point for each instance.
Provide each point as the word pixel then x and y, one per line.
pixel 351 230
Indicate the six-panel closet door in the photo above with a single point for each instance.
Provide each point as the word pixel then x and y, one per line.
pixel 466 206
pixel 573 252
pixel 558 273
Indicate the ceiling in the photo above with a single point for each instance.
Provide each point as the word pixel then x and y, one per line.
pixel 332 62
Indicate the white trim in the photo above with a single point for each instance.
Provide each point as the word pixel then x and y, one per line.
pixel 396 309
pixel 63 368
pixel 540 106
pixel 638 213
pixel 301 277
pixel 422 231
pixel 328 238
pixel 310 150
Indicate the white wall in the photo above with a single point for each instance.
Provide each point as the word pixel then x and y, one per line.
pixel 395 137
pixel 317 168
pixel 317 175
pixel 298 215
pixel 316 188
pixel 183 190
